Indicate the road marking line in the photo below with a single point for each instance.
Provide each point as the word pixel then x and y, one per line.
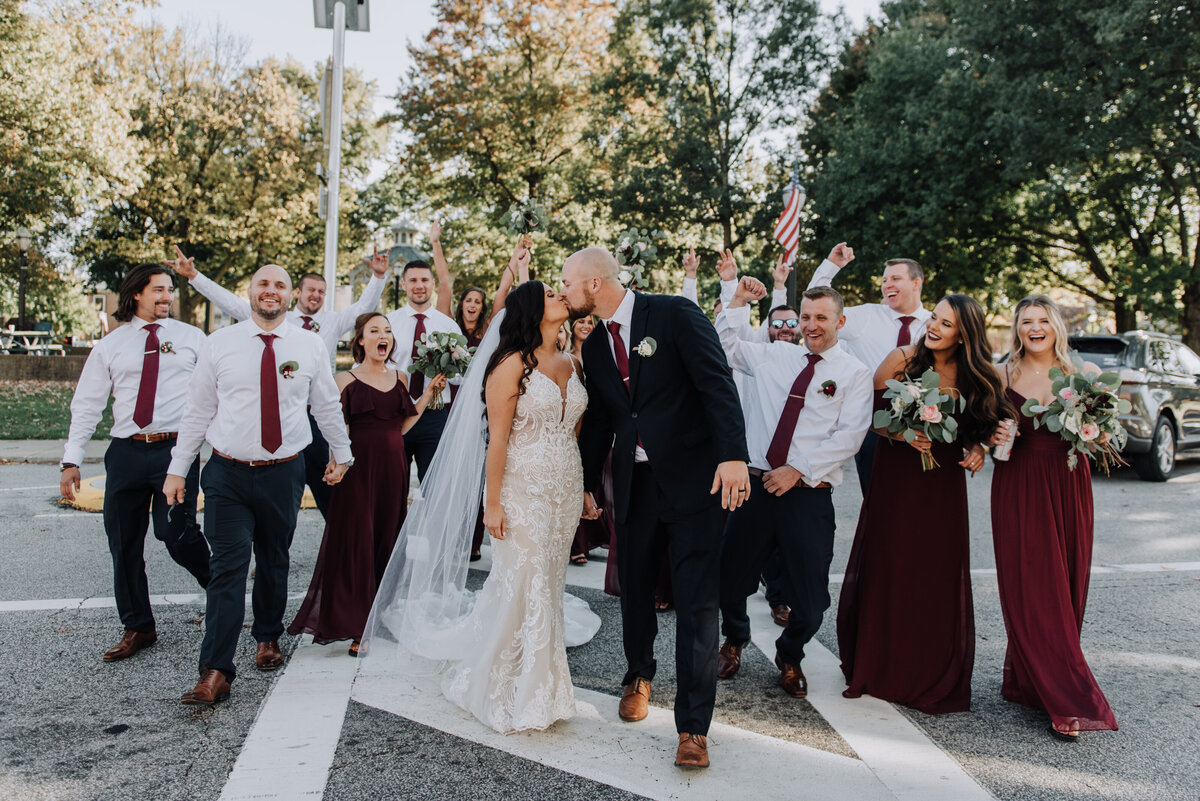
pixel 67 604
pixel 638 758
pixel 26 489
pixel 289 750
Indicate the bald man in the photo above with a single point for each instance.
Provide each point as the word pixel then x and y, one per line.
pixel 248 398
pixel 661 398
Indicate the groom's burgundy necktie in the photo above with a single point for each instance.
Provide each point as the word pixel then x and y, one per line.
pixel 416 384
pixel 268 396
pixel 781 443
pixel 904 337
pixel 622 356
pixel 143 411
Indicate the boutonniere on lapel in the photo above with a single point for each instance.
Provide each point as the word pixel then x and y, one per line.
pixel 166 347
pixel 646 347
pixel 315 327
pixel 288 369
pixel 829 387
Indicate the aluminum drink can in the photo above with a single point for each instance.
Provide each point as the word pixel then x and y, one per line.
pixel 1001 452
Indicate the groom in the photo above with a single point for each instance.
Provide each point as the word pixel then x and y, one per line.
pixel 659 384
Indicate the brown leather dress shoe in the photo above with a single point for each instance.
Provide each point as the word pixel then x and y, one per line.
pixel 130 644
pixel 692 752
pixel 791 678
pixel 635 704
pixel 212 687
pixel 780 614
pixel 269 656
pixel 729 659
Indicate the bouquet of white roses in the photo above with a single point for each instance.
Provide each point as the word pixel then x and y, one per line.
pixel 920 406
pixel 441 352
pixel 1085 413
pixel 635 251
pixel 525 218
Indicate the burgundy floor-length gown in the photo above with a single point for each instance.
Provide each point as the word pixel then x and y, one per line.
pixel 906 624
pixel 1042 531
pixel 366 510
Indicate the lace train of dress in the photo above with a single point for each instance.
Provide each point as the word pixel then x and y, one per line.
pixel 505 661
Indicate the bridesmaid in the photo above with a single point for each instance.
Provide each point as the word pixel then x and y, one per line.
pixel 367 508
pixel 1042 530
pixel 906 627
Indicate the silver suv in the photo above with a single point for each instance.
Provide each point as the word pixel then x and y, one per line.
pixel 1160 377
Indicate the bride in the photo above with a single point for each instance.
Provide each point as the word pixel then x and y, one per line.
pixel 500 655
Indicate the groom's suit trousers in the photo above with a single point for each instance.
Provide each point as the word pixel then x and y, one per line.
pixel 694 542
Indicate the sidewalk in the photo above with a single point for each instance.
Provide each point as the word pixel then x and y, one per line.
pixel 50 451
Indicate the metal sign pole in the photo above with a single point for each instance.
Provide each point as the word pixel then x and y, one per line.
pixel 335 148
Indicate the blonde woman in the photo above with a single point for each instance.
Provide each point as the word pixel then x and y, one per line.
pixel 1042 531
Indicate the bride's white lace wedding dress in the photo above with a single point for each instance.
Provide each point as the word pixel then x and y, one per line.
pixel 516 676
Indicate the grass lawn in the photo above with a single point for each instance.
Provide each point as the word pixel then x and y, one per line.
pixel 41 410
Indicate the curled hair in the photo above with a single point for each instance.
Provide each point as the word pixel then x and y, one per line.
pixel 978 382
pixel 357 349
pixel 481 324
pixel 520 330
pixel 137 280
pixel 1062 347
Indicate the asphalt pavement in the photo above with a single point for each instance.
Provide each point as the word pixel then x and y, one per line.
pixel 74 728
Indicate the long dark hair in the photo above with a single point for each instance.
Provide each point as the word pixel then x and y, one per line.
pixel 481 324
pixel 978 382
pixel 520 330
pixel 137 280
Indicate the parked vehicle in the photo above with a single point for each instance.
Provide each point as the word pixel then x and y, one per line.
pixel 1160 377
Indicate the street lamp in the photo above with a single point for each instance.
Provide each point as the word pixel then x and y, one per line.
pixel 24 241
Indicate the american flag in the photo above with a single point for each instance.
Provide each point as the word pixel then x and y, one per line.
pixel 787 229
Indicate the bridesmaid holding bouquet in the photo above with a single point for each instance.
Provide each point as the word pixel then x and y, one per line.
pixel 906 626
pixel 1042 529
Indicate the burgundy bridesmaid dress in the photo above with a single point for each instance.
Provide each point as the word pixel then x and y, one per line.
pixel 906 626
pixel 366 510
pixel 1042 531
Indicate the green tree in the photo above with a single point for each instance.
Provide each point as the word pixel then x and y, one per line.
pixel 229 154
pixel 1013 145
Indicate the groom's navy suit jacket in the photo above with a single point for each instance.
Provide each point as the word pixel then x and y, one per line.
pixel 682 404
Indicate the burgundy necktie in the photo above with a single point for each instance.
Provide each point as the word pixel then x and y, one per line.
pixel 307 322
pixel 619 352
pixel 904 338
pixel 143 412
pixel 416 384
pixel 781 443
pixel 268 398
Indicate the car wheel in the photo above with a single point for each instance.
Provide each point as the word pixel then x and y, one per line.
pixel 1159 462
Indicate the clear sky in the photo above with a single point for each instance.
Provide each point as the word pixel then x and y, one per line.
pixel 285 27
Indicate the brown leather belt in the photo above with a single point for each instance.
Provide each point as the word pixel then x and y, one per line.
pixel 159 437
pixel 255 462
pixel 754 471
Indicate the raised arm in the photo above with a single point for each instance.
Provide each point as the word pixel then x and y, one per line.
pixel 500 394
pixel 445 287
pixel 691 263
pixel 841 255
pixel 740 342
pixel 236 307
pixel 369 299
pixel 518 265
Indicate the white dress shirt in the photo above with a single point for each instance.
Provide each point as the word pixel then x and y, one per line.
pixel 224 407
pixel 623 317
pixel 115 366
pixel 830 429
pixel 404 326
pixel 871 329
pixel 330 325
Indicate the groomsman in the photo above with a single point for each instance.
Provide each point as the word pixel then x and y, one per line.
pixel 145 365
pixel 807 411
pixel 310 314
pixel 418 316
pixel 873 330
pixel 248 397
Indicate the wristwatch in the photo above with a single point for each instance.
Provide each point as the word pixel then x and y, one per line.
pixel 66 466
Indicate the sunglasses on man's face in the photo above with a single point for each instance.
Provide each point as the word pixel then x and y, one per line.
pixel 792 323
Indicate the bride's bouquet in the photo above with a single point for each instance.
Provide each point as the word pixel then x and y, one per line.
pixel 1085 413
pixel 635 251
pixel 919 406
pixel 441 352
pixel 525 218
